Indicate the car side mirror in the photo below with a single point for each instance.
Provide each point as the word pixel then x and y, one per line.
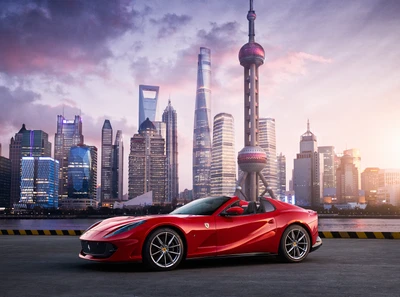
pixel 234 210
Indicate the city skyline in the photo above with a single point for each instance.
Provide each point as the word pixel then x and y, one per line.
pixel 342 74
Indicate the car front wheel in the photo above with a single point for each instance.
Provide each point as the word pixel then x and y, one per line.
pixel 295 244
pixel 163 250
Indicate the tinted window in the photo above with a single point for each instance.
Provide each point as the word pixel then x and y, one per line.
pixel 203 206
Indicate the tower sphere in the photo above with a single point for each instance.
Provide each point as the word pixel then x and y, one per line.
pixel 252 159
pixel 251 16
pixel 251 53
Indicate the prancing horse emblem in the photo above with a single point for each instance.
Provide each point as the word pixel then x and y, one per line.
pixel 207 225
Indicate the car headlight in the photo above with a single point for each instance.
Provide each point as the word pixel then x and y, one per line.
pixel 92 226
pixel 125 228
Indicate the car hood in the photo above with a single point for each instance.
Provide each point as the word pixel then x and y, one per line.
pixel 116 222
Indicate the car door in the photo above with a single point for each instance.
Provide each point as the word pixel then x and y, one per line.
pixel 250 233
pixel 200 235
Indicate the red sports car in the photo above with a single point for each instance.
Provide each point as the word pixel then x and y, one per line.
pixel 214 226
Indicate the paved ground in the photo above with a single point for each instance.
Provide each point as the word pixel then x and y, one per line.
pixel 49 266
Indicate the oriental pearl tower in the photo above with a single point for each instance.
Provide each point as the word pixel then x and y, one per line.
pixel 252 158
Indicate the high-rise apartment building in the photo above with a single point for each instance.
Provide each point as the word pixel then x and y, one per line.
pixel 370 184
pixel 69 133
pixel 329 169
pixel 347 180
pixel 5 182
pixel 117 184
pixel 148 98
pixel 307 172
pixel 267 141
pixel 147 163
pixel 39 182
pixel 202 127
pixel 82 172
pixel 106 161
pixel 223 164
pixel 170 119
pixel 281 164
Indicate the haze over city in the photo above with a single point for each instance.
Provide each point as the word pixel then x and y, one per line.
pixel 332 62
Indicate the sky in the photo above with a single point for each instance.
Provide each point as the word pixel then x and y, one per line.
pixel 334 62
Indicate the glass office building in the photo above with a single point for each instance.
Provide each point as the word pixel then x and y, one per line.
pixel 82 172
pixel 69 133
pixel 39 182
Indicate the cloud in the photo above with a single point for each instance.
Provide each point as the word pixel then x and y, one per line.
pixel 58 37
pixel 170 23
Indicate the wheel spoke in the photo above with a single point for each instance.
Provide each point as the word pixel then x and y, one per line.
pixel 173 237
pixel 155 245
pixel 291 249
pixel 301 237
pixel 158 260
pixel 173 246
pixel 159 251
pixel 165 259
pixel 174 253
pixel 159 240
pixel 170 258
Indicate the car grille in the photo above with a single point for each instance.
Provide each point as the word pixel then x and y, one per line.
pixel 98 249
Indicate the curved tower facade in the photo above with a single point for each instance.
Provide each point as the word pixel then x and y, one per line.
pixel 202 127
pixel 252 158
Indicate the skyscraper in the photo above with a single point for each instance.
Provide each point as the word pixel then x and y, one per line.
pixel 15 159
pixel 148 98
pixel 69 133
pixel 5 182
pixel 267 141
pixel 355 153
pixel 281 160
pixel 106 161
pixel 27 143
pixel 307 172
pixel 147 163
pixel 329 170
pixel 39 182
pixel 223 164
pixel 169 117
pixel 82 172
pixel 347 180
pixel 118 167
pixel 202 127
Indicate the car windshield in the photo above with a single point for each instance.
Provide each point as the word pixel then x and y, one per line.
pixel 202 206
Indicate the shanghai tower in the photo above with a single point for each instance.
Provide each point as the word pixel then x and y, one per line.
pixel 202 124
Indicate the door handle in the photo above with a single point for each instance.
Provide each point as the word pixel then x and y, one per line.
pixel 271 221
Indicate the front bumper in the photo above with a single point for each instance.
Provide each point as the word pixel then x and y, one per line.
pixel 317 244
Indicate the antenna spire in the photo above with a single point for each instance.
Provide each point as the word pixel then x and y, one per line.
pixel 308 125
pixel 251 16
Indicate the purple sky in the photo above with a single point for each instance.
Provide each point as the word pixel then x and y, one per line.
pixel 335 62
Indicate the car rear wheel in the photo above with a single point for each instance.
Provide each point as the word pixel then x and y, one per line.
pixel 295 244
pixel 163 250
